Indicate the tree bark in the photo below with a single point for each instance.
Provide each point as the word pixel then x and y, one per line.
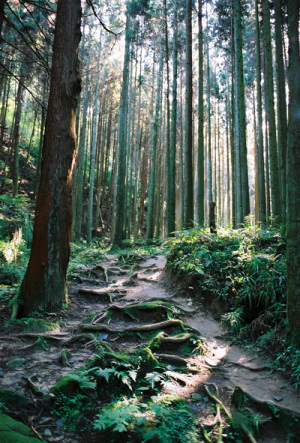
pixel 2 4
pixel 260 208
pixel 119 231
pixel 275 187
pixel 200 199
pixel 44 284
pixel 189 173
pixel 281 106
pixel 81 151
pixel 243 205
pixel 293 178
pixel 152 184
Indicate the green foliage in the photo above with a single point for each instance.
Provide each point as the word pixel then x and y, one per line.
pixel 82 257
pixel 244 268
pixel 70 409
pixel 37 325
pixel 165 418
pixel 289 361
pixel 16 224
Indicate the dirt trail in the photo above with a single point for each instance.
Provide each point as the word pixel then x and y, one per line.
pixel 115 286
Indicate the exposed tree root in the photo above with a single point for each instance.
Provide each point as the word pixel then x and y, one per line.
pixel 140 328
pixel 61 336
pixel 154 326
pixel 218 401
pixel 250 368
pixel 171 358
pixel 98 292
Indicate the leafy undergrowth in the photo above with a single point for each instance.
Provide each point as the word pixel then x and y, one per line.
pixel 245 270
pixel 117 397
pixel 114 398
pixel 15 240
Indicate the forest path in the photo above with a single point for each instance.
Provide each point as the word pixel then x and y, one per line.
pixel 129 306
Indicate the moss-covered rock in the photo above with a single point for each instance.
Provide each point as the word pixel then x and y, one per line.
pixel 148 362
pixel 12 399
pixel 12 431
pixel 15 363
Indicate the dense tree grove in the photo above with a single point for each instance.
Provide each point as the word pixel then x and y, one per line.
pixel 182 103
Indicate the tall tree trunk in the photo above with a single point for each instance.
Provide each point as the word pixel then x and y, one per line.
pixel 172 161
pixel 16 138
pixel 44 284
pixel 260 209
pixel 281 106
pixel 82 150
pixel 293 178
pixel 170 151
pixel 240 120
pixel 119 231
pixel 2 4
pixel 210 181
pixel 200 199
pixel 40 154
pixel 189 173
pixel 93 156
pixel 275 186
pixel 152 184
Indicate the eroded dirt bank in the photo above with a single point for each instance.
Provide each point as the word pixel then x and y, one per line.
pixel 125 308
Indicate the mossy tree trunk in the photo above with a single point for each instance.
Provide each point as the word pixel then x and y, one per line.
pixel 44 284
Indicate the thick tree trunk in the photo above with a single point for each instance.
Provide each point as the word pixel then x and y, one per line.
pixel 293 178
pixel 44 284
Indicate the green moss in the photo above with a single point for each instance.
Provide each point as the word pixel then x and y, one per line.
pixel 153 311
pixel 12 399
pixel 38 325
pixel 147 361
pixel 89 318
pixel 12 431
pixel 66 385
pixel 16 363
